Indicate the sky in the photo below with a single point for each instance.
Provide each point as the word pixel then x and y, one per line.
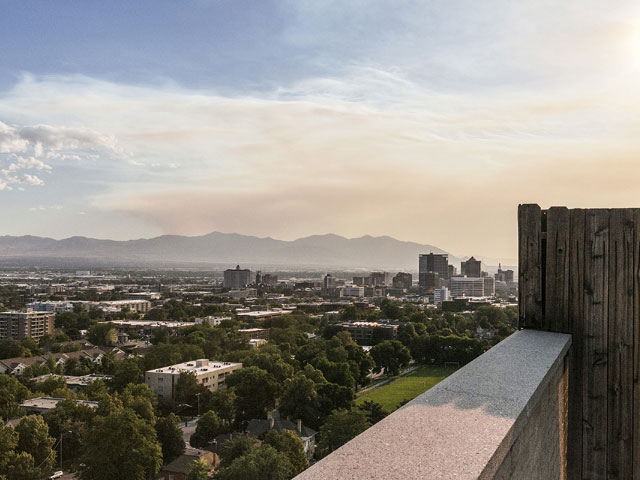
pixel 427 121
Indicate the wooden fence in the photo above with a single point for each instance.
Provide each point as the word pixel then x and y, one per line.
pixel 579 273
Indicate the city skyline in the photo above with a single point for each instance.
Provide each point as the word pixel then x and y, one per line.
pixel 287 119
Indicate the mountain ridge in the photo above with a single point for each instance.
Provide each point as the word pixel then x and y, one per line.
pixel 217 247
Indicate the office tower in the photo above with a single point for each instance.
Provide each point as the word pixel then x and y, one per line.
pixel 402 280
pixel 435 263
pixel 237 278
pixel 471 268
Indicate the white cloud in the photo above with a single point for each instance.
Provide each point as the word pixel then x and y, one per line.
pixel 424 128
pixel 42 208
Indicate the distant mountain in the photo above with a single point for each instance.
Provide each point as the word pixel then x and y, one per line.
pixel 228 248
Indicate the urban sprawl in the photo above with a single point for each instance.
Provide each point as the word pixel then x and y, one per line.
pixel 230 375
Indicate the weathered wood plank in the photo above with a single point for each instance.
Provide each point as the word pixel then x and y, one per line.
pixel 576 327
pixel 556 312
pixel 636 345
pixel 530 266
pixel 620 345
pixel 594 375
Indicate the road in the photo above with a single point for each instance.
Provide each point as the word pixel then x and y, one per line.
pixel 187 430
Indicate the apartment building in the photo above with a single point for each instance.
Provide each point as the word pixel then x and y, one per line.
pixel 211 374
pixel 19 325
pixel 363 332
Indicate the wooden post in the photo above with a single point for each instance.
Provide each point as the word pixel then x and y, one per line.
pixel 530 266
pixel 556 292
pixel 576 325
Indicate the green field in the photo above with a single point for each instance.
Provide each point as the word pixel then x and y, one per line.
pixel 407 387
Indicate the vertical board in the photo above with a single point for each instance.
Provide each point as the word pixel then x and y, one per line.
pixel 576 326
pixel 556 311
pixel 530 266
pixel 594 375
pixel 620 345
pixel 636 346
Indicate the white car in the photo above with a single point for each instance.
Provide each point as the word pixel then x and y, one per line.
pixel 57 474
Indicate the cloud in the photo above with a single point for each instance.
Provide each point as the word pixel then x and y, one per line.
pixel 42 208
pixel 51 142
pixel 426 123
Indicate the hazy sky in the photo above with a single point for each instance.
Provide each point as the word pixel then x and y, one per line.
pixel 427 121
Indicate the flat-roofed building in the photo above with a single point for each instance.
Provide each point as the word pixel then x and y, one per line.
pixel 260 314
pixel 43 405
pixel 433 262
pixel 352 291
pixel 255 333
pixel 489 286
pixel 237 278
pixel 19 325
pixel 402 280
pixel 362 332
pixel 135 305
pixel 467 287
pixel 163 381
pixel 53 306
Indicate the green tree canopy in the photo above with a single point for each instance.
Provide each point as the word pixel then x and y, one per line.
pixel 122 445
pixel 291 445
pixel 170 437
pixel 391 356
pixel 208 428
pixel 199 470
pixel 34 439
pixel 256 392
pixel 265 463
pixel 340 427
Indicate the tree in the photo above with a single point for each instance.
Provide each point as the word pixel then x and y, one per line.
pixel 122 446
pixel 290 444
pixel 373 411
pixel 188 389
pixel 391 356
pixel 21 466
pixel 12 393
pixel 334 397
pixel 170 437
pixel 199 470
pixel 96 390
pixel 127 371
pixel 102 334
pixel 340 427
pixel 222 402
pixel 10 348
pixel 34 439
pixel 8 442
pixel 235 448
pixel 300 400
pixel 256 392
pixel 208 428
pixel 265 463
pixel 70 419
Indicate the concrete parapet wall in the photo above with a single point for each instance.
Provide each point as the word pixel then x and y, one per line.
pixel 501 416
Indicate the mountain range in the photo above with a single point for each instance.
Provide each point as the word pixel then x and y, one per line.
pixel 329 250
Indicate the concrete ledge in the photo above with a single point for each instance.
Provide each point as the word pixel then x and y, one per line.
pixel 464 427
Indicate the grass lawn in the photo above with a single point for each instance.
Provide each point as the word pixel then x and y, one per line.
pixel 406 388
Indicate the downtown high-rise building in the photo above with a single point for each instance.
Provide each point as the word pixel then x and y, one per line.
pixel 432 263
pixel 237 278
pixel 471 268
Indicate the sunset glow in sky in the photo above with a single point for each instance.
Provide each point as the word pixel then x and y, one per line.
pixel 425 121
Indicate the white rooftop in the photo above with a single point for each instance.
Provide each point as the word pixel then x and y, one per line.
pixel 199 366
